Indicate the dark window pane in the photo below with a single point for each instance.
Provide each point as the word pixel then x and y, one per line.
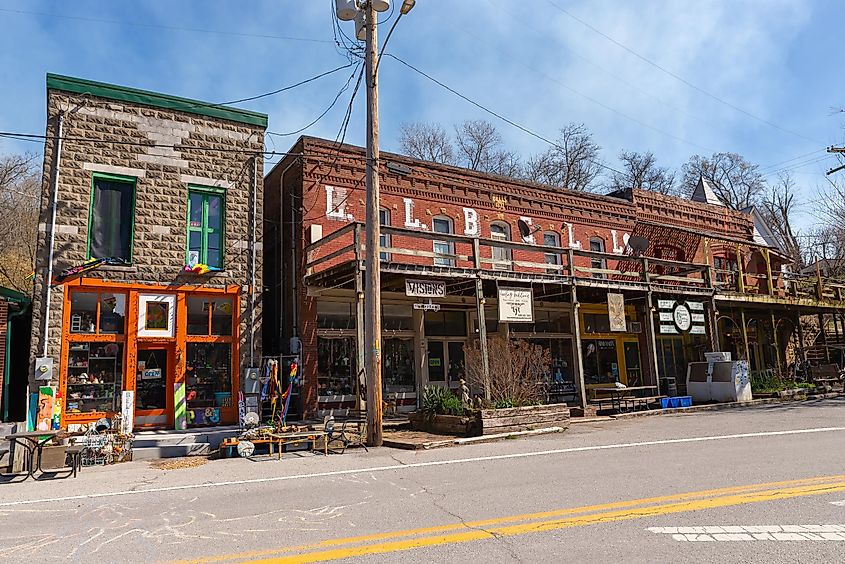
pixel 83 312
pixel 195 204
pixel 112 313
pixel 215 250
pixel 215 212
pixel 151 379
pixel 336 361
pixel 398 365
pixel 441 225
pixel 111 220
pixel 221 316
pixel 208 380
pixel 198 315
pixel 436 368
pixel 445 323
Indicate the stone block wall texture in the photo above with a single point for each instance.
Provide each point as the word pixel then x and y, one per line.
pixel 102 135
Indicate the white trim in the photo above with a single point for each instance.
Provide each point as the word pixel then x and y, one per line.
pixel 119 170
pixel 170 300
pixel 200 181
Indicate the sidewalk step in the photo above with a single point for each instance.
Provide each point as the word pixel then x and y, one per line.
pixel 171 451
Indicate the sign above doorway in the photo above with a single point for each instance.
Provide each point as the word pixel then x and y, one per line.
pixel 516 305
pixel 425 288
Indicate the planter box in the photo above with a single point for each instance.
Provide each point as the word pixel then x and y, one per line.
pixel 493 421
pixel 442 424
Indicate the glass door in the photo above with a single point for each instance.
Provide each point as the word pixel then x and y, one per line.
pixel 436 363
pixel 631 350
pixel 153 385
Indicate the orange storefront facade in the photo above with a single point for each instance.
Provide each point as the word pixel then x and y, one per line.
pixel 175 348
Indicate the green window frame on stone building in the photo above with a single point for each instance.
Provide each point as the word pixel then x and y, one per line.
pixel 111 217
pixel 206 226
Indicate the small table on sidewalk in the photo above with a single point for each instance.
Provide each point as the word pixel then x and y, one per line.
pixel 282 439
pixel 616 394
pixel 33 442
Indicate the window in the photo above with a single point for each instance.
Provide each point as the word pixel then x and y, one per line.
pixel 384 239
pixel 101 313
pixel 445 324
pixel 208 381
pixel 111 217
pixel 94 377
pixel 600 361
pixel 726 270
pixel 336 366
pixel 206 218
pixel 597 246
pixel 398 365
pixel 551 239
pixel 443 225
pixel 501 255
pixel 209 315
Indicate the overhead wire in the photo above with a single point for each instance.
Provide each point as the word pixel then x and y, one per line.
pixel 678 77
pixel 492 112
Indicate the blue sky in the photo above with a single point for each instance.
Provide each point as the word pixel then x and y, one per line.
pixel 772 60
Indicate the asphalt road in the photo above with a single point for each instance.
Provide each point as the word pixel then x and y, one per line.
pixel 752 485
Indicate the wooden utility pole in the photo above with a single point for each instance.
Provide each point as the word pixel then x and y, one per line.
pixel 372 293
pixel 836 150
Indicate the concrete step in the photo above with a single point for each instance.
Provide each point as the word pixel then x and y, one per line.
pixel 171 451
pixel 146 439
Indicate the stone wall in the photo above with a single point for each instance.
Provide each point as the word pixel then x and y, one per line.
pixel 102 135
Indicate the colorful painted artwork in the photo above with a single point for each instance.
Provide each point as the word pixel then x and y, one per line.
pixel 46 400
pixel 180 406
pixel 158 314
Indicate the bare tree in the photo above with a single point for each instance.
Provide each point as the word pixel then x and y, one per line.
pixel 640 170
pixel 426 141
pixel 517 370
pixel 19 201
pixel 737 182
pixel 479 147
pixel 573 163
pixel 778 208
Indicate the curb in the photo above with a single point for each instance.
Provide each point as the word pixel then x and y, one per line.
pixel 731 405
pixel 470 440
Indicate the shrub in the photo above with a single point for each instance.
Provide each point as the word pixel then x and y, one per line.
pixel 438 400
pixel 517 371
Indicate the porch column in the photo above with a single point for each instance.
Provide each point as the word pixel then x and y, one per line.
pixel 420 346
pixel 801 356
pixel 651 342
pixel 359 320
pixel 712 326
pixel 482 335
pixel 576 344
pixel 775 339
pixel 745 337
pixel 823 334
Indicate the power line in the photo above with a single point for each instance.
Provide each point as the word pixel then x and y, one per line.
pixel 167 27
pixel 322 115
pixel 491 112
pixel 272 93
pixel 767 167
pixel 678 77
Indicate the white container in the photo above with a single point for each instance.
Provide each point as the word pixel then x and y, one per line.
pixel 345 9
pixel 361 26
pixel 726 381
pixel 381 5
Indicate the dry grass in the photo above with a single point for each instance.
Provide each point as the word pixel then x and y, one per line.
pixel 178 463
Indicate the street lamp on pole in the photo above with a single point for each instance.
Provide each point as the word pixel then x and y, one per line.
pixel 365 15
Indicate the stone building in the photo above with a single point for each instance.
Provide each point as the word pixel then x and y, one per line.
pixel 151 214
pixel 627 287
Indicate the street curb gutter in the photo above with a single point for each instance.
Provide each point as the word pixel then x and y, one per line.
pixel 469 440
pixel 731 405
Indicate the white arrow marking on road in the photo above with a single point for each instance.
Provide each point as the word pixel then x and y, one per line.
pixel 746 533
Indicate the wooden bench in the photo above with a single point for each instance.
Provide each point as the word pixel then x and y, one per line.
pixel 826 375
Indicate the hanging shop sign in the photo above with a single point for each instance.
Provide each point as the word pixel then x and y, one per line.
pixel 516 305
pixel 427 306
pixel 676 318
pixel 425 288
pixel 616 311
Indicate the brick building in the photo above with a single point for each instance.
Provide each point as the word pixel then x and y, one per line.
pixel 626 287
pixel 165 192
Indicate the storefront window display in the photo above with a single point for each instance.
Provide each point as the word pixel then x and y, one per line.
pixel 209 315
pixel 208 381
pixel 94 377
pixel 398 365
pixel 98 313
pixel 601 365
pixel 336 366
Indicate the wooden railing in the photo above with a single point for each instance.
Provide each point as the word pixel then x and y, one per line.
pixel 445 252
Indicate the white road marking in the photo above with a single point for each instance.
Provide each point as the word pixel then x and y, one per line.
pixel 421 465
pixel 839 503
pixel 746 533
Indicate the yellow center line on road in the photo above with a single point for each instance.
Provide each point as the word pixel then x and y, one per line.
pixel 537 522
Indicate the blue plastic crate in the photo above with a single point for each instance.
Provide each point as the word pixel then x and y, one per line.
pixel 686 401
pixel 674 402
pixel 664 403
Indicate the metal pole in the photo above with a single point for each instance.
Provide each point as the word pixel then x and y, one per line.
pixel 60 120
pixel 372 298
